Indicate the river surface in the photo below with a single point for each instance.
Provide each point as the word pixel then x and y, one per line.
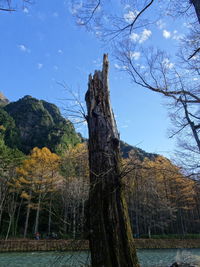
pixel 147 258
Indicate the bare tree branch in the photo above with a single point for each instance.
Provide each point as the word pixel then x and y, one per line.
pixel 7 9
pixel 191 123
pixel 195 52
pixel 177 132
pixel 92 13
pixel 138 15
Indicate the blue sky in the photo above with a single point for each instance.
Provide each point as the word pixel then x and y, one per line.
pixel 41 45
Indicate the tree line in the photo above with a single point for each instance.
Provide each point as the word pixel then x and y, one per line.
pixel 45 192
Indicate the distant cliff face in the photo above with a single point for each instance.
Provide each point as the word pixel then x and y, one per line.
pixel 131 151
pixel 3 100
pixel 38 123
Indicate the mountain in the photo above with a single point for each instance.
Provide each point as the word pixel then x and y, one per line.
pixel 30 122
pixel 132 151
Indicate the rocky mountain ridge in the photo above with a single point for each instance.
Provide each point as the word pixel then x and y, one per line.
pixel 3 100
pixel 30 122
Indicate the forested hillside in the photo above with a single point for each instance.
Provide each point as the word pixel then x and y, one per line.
pixel 30 122
pixel 44 179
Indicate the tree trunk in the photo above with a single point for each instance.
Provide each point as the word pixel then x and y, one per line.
pixel 1 213
pixel 191 123
pixel 11 212
pixel 27 219
pixel 2 204
pixel 37 214
pixel 110 235
pixel 65 218
pixel 17 219
pixel 82 216
pixel 149 231
pixel 9 226
pixel 27 214
pixel 50 212
pixel 74 223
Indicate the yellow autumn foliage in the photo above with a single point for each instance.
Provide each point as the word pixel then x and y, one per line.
pixel 25 195
pixel 23 180
pixel 38 172
pixel 162 175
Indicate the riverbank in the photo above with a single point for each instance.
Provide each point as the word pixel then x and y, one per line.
pixel 22 245
pixel 167 243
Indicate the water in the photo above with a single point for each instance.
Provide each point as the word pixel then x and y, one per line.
pixel 165 257
pixel 147 258
pixel 44 259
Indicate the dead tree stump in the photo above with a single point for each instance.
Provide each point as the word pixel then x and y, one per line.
pixel 110 235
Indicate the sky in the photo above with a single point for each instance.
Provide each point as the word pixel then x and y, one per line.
pixel 42 46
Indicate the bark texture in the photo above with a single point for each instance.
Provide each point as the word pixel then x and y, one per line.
pixel 110 234
pixel 196 4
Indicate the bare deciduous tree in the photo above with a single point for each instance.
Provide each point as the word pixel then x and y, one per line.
pixel 12 5
pixel 155 71
pixel 178 82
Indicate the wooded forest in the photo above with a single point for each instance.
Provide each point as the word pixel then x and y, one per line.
pixel 43 192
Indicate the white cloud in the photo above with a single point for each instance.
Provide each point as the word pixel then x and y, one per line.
pixel 23 48
pixel 25 10
pixel 130 16
pixel 97 63
pixel 177 36
pixel 145 35
pixel 167 63
pixel 122 67
pixel 41 16
pixel 55 14
pixel 117 66
pixel 187 25
pixel 142 37
pixel 134 37
pixel 80 21
pixel 135 55
pixel 98 33
pixel 39 66
pixel 124 126
pixel 75 8
pixel 166 34
pixel 161 25
pixel 127 6
pixel 60 51
pixel 195 57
